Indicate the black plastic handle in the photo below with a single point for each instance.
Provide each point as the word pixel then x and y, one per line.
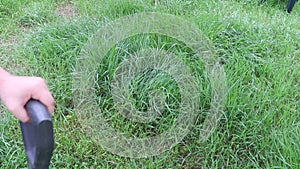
pixel 290 5
pixel 38 136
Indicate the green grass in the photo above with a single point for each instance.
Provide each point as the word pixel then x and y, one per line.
pixel 258 42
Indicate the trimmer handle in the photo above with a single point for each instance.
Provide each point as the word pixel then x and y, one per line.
pixel 38 135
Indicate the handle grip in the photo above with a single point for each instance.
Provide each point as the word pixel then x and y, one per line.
pixel 38 135
pixel 290 5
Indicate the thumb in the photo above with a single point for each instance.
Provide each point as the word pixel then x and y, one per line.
pixel 21 114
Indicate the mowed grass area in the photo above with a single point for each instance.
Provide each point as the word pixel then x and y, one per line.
pixel 257 42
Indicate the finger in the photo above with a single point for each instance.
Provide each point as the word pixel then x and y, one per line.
pixel 47 99
pixel 21 114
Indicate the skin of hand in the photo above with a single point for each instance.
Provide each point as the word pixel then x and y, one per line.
pixel 16 91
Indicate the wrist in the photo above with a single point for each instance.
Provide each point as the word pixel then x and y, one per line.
pixel 3 75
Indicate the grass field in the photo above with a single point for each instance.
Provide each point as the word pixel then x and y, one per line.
pixel 257 42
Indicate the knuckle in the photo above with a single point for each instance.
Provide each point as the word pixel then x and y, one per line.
pixel 40 82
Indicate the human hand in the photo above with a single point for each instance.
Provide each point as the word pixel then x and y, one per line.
pixel 16 91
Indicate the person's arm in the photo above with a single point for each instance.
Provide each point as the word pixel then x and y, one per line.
pixel 16 91
pixel 3 74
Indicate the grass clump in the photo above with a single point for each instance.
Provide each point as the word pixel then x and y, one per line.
pixel 36 13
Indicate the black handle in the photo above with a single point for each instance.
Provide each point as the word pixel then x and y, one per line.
pixel 38 136
pixel 290 5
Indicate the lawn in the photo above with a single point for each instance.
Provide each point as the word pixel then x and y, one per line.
pixel 257 43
